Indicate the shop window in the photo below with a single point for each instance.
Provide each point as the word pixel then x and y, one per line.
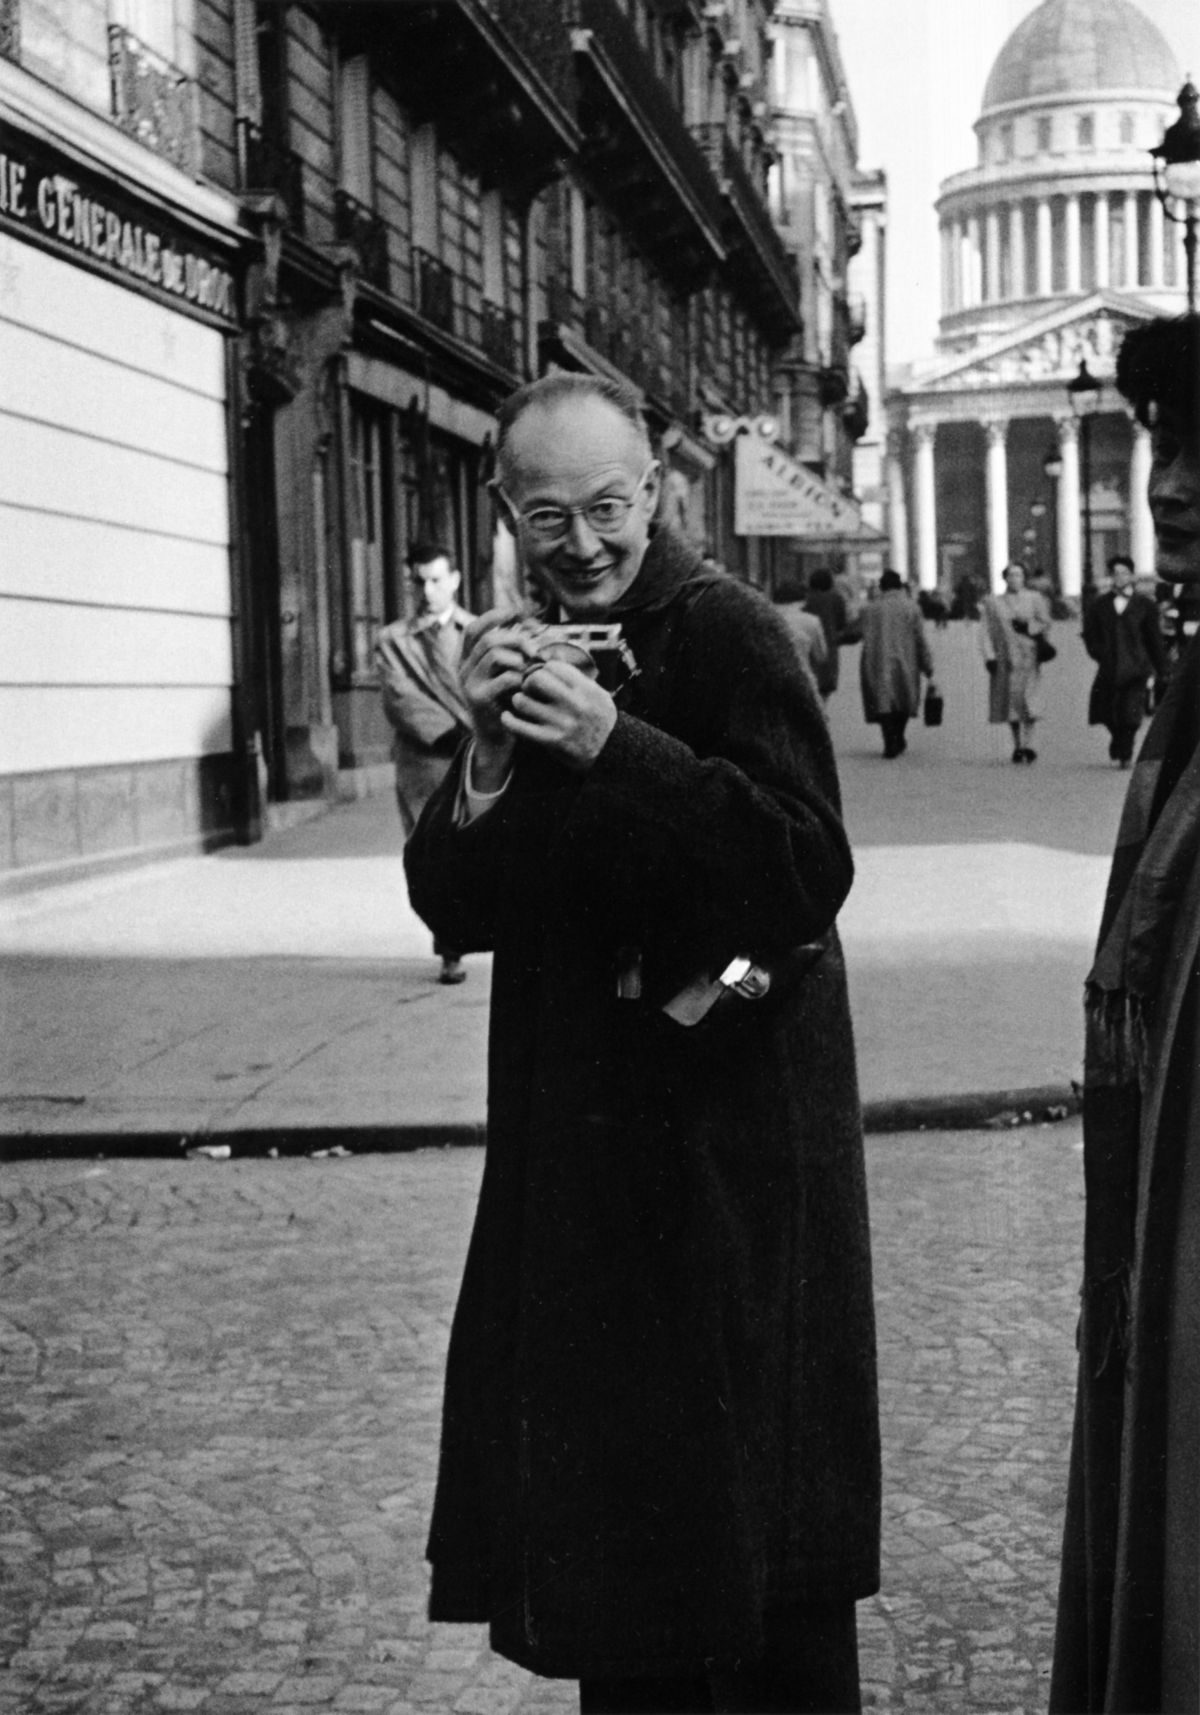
pixel 1085 131
pixel 366 534
pixel 1045 134
pixel 354 130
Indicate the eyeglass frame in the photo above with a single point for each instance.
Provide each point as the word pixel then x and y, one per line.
pixel 571 512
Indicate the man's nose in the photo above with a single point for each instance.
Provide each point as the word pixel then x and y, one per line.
pixel 581 539
pixel 1171 482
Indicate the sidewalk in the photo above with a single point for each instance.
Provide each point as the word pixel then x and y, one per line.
pixel 285 995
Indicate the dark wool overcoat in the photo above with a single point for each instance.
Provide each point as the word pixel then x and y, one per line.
pixel 1128 649
pixel 660 1411
pixel 895 652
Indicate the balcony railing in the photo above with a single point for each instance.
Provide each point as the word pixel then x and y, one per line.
pixel 747 203
pixel 538 29
pixel 500 336
pixel 660 122
pixel 563 303
pixel 270 167
pixel 435 289
pixel 152 99
pixel 361 228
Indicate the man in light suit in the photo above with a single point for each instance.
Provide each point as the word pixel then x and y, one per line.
pixel 417 662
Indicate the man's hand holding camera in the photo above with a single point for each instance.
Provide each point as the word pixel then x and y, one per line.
pixel 511 696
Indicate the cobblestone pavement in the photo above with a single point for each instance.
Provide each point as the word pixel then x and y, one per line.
pixel 219 1402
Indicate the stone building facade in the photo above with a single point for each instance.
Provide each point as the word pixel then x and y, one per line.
pixel 395 214
pixel 1052 246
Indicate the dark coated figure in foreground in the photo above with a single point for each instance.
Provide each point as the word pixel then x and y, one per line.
pixel 1128 1633
pixel 660 1458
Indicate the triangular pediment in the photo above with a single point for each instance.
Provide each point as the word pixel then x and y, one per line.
pixel 1048 349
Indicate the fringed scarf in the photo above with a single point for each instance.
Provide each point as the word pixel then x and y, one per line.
pixel 1157 848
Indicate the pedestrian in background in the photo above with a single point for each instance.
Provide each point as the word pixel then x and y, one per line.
pixel 895 653
pixel 417 661
pixel 808 634
pixel 828 605
pixel 1122 634
pixel 1011 625
pixel 659 1467
pixel 1128 1634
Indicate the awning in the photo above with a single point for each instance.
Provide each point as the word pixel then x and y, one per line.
pixel 775 495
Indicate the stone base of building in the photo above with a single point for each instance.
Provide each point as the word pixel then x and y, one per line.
pixel 79 819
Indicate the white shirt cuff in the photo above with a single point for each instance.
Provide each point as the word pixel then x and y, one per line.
pixel 472 803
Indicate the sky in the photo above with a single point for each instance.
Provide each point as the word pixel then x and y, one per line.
pixel 917 70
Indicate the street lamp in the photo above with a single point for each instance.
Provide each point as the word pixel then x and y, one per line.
pixel 1052 464
pixel 1177 176
pixel 1084 394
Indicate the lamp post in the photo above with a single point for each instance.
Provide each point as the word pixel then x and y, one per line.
pixel 1053 466
pixel 1084 394
pixel 1177 177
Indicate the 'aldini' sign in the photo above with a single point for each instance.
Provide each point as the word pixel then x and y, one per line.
pixel 48 195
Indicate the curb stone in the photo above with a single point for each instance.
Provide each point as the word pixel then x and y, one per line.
pixel 997 1110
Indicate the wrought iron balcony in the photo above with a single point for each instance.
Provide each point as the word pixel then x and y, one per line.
pixel 435 289
pixel 641 151
pixel 362 229
pixel 750 232
pixel 563 303
pixel 152 99
pixel 266 166
pixel 501 336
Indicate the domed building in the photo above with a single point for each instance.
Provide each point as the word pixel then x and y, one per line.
pixel 1053 246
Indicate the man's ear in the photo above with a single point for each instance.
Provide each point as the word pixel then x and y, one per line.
pixel 653 486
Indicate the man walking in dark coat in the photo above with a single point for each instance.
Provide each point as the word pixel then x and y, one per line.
pixel 1122 634
pixel 660 1461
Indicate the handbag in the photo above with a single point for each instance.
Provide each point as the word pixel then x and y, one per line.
pixel 1044 649
pixel 935 706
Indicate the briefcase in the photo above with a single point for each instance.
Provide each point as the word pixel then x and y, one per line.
pixel 934 706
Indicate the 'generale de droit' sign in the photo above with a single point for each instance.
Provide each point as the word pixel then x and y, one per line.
pixel 67 209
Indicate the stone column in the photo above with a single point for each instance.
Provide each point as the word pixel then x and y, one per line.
pixel 1070 542
pixel 1016 248
pixel 948 304
pixel 1156 244
pixel 1074 270
pixel 1102 240
pixel 994 293
pixel 1045 249
pixel 897 511
pixel 926 498
pixel 997 500
pixel 962 273
pixel 974 262
pixel 1130 281
pixel 1141 524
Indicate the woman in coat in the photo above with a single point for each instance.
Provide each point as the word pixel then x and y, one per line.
pixel 1011 626
pixel 1128 1634
pixel 895 653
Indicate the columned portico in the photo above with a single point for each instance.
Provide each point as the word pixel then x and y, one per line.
pixel 1141 523
pixel 1070 546
pixel 926 503
pixel 997 500
pixel 1074 251
pixel 1016 249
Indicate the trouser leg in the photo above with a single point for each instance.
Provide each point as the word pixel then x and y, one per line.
pixel 1121 749
pixel 891 734
pixel 645 1696
pixel 809 1665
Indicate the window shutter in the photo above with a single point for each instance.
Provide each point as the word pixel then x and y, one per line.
pixel 355 104
pixel 245 58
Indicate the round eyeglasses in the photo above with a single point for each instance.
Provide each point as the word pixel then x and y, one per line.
pixel 605 516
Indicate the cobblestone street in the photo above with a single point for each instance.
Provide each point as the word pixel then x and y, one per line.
pixel 221 1387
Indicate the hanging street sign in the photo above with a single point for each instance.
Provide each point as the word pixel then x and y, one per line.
pixel 775 495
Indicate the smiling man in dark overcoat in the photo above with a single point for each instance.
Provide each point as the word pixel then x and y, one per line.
pixel 660 1461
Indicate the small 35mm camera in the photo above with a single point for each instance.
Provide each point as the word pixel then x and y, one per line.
pixel 600 651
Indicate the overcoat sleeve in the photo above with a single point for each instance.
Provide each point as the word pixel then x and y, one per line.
pixel 728 842
pixel 455 873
